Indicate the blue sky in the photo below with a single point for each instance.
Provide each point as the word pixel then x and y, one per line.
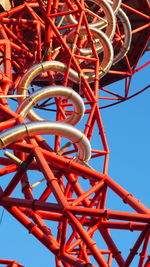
pixel 127 128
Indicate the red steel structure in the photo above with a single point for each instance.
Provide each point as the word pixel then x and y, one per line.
pixel 10 263
pixel 60 57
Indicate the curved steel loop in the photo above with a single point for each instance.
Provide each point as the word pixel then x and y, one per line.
pixel 37 69
pixel 5 4
pixel 100 38
pixel 47 127
pixel 53 128
pixel 127 36
pixel 52 91
pixel 61 67
pixel 115 5
pixel 109 21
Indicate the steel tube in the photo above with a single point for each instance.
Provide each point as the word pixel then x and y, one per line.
pixel 127 36
pixel 100 38
pixel 87 239
pixel 52 91
pixel 109 17
pixel 34 229
pixel 45 127
pixel 112 246
pixel 133 251
pixel 115 4
pixel 95 175
pixel 83 211
pixel 5 4
pixel 61 67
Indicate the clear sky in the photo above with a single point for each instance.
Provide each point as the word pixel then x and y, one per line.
pixel 127 128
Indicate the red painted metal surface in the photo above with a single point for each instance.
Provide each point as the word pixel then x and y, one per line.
pixel 10 263
pixel 70 192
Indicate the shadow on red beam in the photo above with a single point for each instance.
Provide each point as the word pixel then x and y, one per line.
pixel 16 9
pixel 109 214
pixel 32 204
pixel 52 207
pixel 57 217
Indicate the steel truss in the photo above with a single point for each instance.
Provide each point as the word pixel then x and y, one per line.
pixel 51 44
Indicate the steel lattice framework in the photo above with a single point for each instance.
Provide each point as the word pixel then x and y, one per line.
pixel 57 57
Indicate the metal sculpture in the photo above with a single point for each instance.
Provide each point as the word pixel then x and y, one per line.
pixel 58 56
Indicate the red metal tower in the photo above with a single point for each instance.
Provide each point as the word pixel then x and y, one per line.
pixel 57 57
